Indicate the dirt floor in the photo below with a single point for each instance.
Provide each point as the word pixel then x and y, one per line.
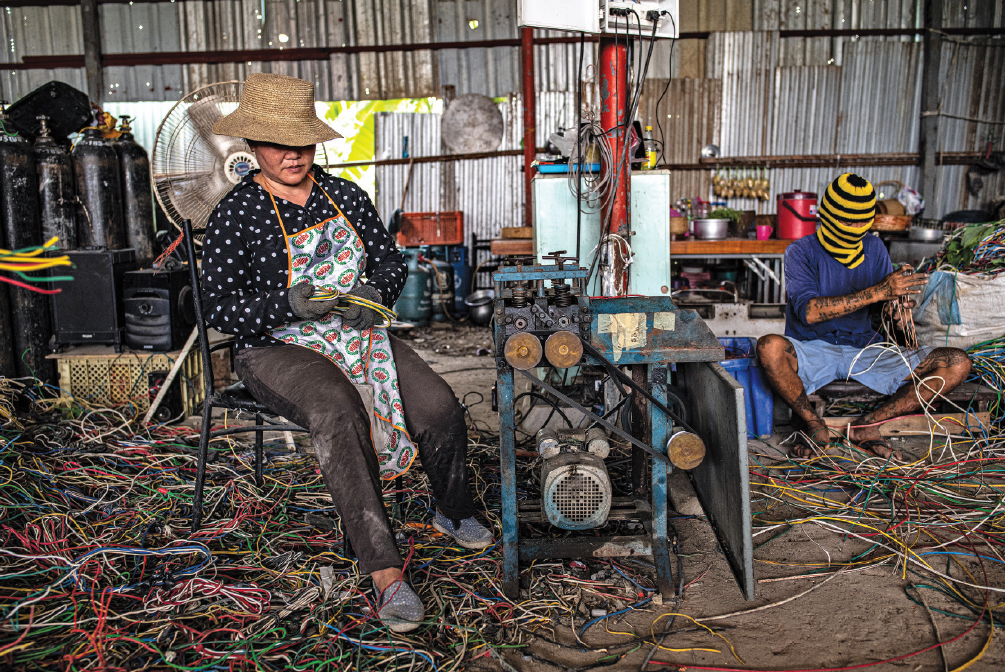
pixel 842 620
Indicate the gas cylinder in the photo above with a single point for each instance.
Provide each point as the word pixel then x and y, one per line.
pixel 458 257
pixel 99 186
pixel 137 197
pixel 22 227
pixel 443 284
pixel 415 303
pixel 56 197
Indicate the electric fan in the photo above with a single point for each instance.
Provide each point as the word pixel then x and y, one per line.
pixel 193 168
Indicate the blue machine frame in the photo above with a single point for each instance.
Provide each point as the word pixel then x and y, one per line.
pixel 664 335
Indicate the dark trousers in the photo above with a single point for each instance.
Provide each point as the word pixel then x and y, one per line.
pixel 309 389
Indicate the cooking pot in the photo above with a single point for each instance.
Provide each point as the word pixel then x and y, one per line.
pixel 480 306
pixel 710 229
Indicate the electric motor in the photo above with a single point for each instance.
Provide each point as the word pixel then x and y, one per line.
pixel 576 490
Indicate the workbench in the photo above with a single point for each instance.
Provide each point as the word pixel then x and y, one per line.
pixel 765 258
pixel 691 248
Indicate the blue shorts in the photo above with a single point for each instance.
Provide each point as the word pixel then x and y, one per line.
pixel 878 367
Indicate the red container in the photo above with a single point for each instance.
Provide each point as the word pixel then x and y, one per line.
pixel 431 228
pixel 797 214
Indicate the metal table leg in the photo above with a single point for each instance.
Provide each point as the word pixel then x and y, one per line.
pixel 507 467
pixel 661 427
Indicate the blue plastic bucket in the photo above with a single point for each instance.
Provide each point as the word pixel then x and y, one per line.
pixel 757 398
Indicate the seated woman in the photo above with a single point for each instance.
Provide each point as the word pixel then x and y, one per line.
pixel 277 247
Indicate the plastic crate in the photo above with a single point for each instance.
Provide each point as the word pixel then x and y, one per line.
pixel 758 401
pixel 431 228
pixel 122 380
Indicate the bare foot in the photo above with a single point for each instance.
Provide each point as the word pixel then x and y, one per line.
pixel 815 435
pixel 872 441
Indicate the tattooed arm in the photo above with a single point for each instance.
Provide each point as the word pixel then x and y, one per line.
pixel 902 282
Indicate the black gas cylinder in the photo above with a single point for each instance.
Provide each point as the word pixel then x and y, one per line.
pixel 56 198
pixel 137 197
pixel 22 227
pixel 99 188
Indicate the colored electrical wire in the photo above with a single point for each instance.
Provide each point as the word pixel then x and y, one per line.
pixel 31 260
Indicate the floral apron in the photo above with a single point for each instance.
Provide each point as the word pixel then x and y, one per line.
pixel 330 255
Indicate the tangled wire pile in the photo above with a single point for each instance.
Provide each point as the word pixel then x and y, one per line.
pixel 938 520
pixel 98 569
pixel 975 248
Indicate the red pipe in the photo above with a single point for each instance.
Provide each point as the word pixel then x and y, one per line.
pixel 613 104
pixel 529 122
pixel 613 119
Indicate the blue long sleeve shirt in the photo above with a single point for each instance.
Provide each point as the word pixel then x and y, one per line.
pixel 810 273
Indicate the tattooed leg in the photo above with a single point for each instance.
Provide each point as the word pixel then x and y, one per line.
pixel 944 369
pixel 781 367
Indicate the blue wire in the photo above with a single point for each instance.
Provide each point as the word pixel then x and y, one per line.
pixel 650 590
pixel 616 613
pixel 971 555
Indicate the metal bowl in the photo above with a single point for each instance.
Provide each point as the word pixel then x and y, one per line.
pixel 926 235
pixel 710 229
pixel 480 306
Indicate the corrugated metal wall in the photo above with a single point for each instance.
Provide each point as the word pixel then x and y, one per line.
pixel 773 96
pixel 870 104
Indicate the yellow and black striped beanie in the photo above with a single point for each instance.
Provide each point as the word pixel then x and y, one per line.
pixel 846 213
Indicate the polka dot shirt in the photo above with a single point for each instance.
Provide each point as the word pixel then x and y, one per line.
pixel 245 268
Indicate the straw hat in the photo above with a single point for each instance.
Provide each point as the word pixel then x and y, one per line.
pixel 276 109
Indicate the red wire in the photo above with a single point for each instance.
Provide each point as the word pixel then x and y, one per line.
pixel 18 283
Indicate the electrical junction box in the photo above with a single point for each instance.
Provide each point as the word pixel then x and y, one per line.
pixel 601 16
pixel 555 229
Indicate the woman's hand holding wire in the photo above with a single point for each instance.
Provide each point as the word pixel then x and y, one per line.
pixel 303 307
pixel 359 316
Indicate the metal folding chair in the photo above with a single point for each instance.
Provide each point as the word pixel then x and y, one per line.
pixel 235 397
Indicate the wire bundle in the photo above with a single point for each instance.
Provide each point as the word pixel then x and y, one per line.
pixel 98 569
pixel 31 260
pixel 345 300
pixel 937 520
pixel 972 249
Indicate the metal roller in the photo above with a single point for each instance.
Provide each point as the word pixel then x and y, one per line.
pixel 563 349
pixel 523 351
pixel 686 450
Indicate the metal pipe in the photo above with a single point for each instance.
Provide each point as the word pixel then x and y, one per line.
pixel 930 102
pixel 324 53
pixel 824 160
pixel 613 120
pixel 529 120
pixel 91 24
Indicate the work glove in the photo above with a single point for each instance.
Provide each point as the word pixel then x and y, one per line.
pixel 302 306
pixel 360 317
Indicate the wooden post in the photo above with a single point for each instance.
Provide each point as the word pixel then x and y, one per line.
pixel 448 169
pixel 930 92
pixel 91 24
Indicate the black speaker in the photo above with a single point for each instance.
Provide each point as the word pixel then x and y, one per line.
pixel 171 405
pixel 89 309
pixel 160 311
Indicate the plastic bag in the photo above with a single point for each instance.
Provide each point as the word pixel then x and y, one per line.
pixel 911 200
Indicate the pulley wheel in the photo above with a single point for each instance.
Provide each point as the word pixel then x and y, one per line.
pixel 523 351
pixel 563 349
pixel 685 450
